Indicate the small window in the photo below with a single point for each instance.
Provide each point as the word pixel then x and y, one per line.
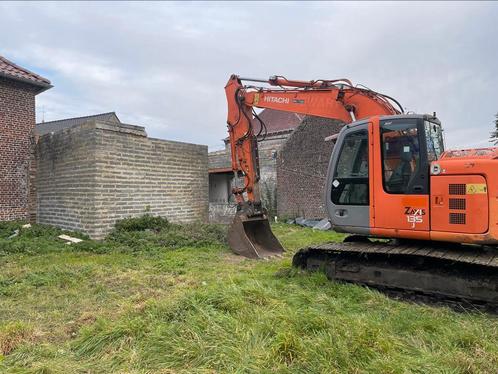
pixel 350 182
pixel 434 139
pixel 400 155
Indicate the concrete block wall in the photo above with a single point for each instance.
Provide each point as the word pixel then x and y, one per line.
pixel 65 179
pixel 220 159
pixel 95 174
pixel 302 168
pixel 268 150
pixel 17 121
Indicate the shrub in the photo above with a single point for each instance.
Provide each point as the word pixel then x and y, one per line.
pixel 8 228
pixel 145 222
pixel 170 236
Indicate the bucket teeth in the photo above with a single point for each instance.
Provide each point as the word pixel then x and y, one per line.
pixel 252 237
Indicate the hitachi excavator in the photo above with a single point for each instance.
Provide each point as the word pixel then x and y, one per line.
pixel 419 218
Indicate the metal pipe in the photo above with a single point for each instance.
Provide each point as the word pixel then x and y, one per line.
pixel 254 80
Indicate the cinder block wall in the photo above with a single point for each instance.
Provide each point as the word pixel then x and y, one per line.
pixel 92 175
pixel 268 150
pixel 17 120
pixel 302 168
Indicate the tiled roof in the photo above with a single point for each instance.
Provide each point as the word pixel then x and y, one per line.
pixel 10 70
pixel 276 120
pixel 54 126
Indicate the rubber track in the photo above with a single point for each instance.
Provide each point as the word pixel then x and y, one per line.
pixel 478 261
pixel 457 254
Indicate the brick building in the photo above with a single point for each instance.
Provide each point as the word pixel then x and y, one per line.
pixel 85 173
pixel 293 144
pixel 18 88
pixel 97 172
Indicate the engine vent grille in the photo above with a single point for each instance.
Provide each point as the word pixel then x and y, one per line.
pixel 457 218
pixel 457 189
pixel 458 204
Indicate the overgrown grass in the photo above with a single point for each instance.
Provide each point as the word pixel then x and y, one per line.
pixel 170 299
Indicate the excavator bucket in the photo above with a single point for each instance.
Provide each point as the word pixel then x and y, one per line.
pixel 252 237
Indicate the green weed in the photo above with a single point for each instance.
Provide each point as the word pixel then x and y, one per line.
pixel 145 222
pixel 173 299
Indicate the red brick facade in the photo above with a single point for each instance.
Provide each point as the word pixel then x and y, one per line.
pixel 17 121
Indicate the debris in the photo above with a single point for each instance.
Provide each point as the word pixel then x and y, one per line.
pixel 300 221
pixel 16 232
pixel 323 225
pixel 26 226
pixel 306 222
pixel 69 239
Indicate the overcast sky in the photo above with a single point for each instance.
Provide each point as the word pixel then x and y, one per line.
pixel 164 65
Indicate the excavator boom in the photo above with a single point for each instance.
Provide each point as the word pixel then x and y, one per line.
pixel 250 233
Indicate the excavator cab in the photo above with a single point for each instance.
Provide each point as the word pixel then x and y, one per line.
pixel 379 167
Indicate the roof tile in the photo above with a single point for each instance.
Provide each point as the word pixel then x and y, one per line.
pixel 54 126
pixel 10 70
pixel 277 120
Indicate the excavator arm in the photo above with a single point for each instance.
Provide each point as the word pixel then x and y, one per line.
pixel 460 202
pixel 250 234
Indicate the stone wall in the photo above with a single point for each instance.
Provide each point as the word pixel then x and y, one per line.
pixel 222 212
pixel 268 150
pixel 302 167
pixel 17 120
pixel 92 175
pixel 220 159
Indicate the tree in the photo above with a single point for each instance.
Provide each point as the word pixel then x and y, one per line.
pixel 494 134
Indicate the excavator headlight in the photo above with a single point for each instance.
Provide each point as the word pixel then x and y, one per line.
pixel 435 169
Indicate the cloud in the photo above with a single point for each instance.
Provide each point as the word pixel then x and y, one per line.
pixel 164 65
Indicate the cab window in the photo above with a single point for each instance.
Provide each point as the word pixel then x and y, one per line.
pixel 400 155
pixel 350 181
pixel 434 139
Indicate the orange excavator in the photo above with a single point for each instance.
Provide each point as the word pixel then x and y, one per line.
pixel 419 218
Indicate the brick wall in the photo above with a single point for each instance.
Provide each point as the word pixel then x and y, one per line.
pixel 94 174
pixel 17 120
pixel 302 167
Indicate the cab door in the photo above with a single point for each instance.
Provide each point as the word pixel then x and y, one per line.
pixel 401 177
pixel 348 200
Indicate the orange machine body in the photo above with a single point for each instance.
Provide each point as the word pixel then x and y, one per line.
pixel 462 205
pixel 459 202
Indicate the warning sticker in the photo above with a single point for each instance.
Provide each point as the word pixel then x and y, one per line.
pixel 476 188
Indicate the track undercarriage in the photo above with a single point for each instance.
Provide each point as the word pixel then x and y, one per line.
pixel 442 271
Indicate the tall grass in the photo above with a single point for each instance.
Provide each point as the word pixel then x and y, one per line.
pixel 154 300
